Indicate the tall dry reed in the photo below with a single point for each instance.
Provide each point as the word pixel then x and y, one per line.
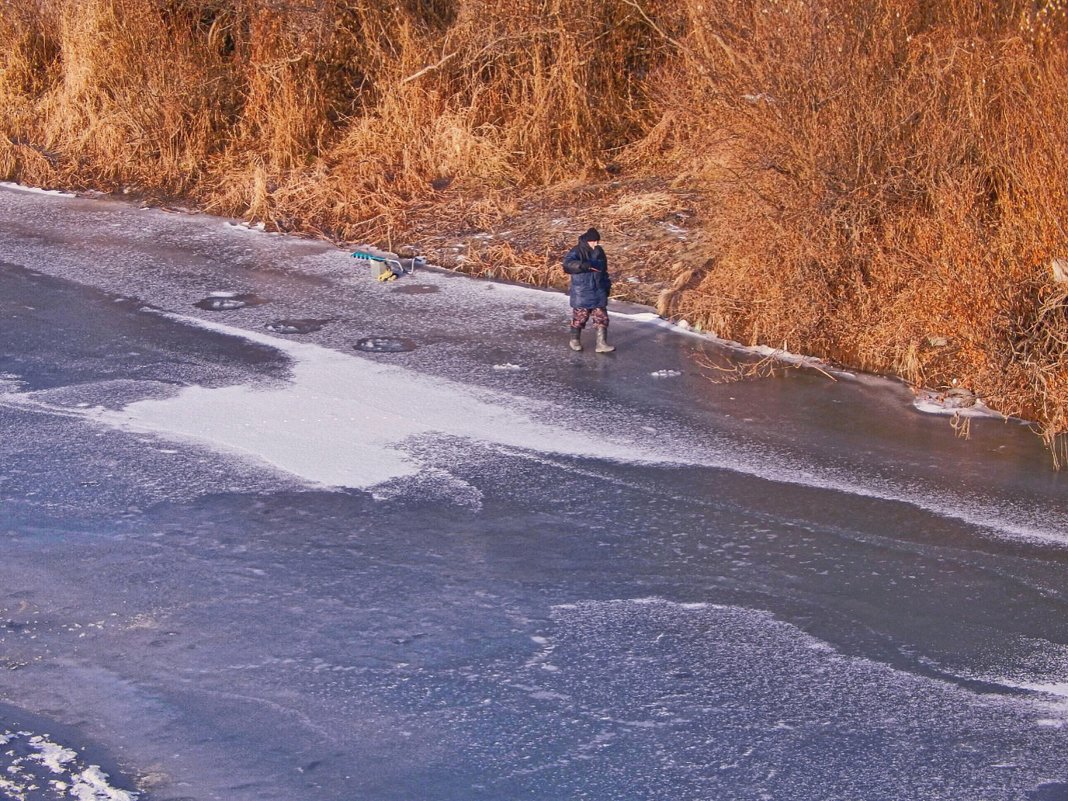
pixel 886 179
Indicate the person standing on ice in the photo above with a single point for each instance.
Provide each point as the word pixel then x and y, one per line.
pixel 591 285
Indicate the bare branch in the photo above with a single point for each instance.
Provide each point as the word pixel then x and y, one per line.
pixel 431 68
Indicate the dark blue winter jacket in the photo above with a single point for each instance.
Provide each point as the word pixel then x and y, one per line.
pixel 588 268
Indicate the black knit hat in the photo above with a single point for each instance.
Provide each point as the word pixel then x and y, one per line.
pixel 591 235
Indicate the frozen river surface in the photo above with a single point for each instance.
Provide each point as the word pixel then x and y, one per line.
pixel 246 560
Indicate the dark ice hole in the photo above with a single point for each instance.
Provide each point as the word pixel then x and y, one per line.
pixel 229 303
pixel 415 289
pixel 295 326
pixel 533 316
pixel 385 344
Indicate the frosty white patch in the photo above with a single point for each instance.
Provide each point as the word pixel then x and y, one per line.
pixel 33 766
pixel 343 420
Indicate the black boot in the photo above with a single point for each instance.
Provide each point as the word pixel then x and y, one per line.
pixel 576 339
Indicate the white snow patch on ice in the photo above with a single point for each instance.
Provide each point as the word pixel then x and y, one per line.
pixel 9 382
pixel 11 790
pixel 685 328
pixel 36 190
pixel 342 420
pixel 25 763
pixel 665 374
pixel 92 785
pixel 1050 688
pixel 255 228
pixel 508 367
pixel 656 600
pixel 934 403
pixel 51 755
pixel 643 317
pixel 1054 702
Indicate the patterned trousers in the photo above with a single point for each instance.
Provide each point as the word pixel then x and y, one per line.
pixel 580 316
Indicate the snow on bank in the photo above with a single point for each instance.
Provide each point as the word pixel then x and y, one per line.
pixel 36 190
pixel 251 228
pixel 343 420
pixel 957 404
pixel 778 354
pixel 32 766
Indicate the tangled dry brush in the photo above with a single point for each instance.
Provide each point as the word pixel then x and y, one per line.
pixel 879 182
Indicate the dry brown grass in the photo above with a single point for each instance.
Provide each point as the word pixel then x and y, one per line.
pixel 879 182
pixel 881 174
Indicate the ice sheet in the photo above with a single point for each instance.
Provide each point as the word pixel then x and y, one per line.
pixel 343 420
